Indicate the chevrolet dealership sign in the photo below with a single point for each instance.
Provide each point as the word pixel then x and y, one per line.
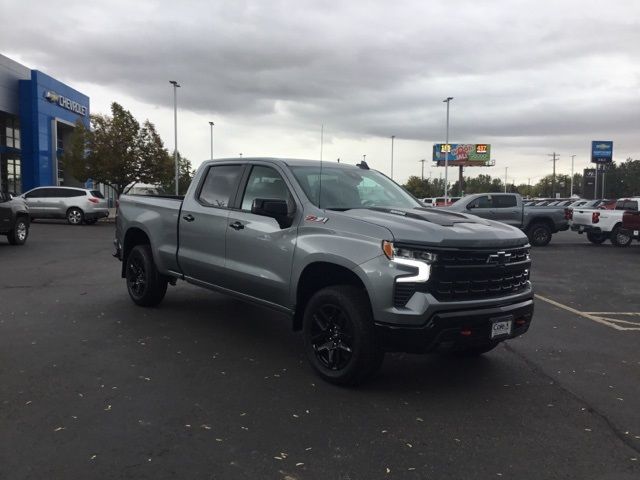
pixel 65 103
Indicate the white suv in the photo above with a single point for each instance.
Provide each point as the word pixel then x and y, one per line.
pixel 77 205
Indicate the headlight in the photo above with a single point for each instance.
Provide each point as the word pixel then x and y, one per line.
pixel 418 259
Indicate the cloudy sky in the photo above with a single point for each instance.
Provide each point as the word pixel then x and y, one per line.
pixel 529 77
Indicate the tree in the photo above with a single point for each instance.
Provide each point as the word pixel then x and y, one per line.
pixel 185 173
pixel 117 151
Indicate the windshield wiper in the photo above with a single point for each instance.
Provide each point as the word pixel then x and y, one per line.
pixel 338 209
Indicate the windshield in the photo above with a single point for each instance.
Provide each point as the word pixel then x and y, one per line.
pixel 344 189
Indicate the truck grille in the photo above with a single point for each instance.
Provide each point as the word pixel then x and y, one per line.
pixel 460 275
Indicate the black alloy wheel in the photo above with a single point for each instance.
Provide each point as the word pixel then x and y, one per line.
pixel 332 336
pixel 339 335
pixel 145 285
pixel 539 234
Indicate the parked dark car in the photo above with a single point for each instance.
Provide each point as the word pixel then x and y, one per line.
pixel 14 219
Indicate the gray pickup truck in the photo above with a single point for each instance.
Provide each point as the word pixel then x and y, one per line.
pixel 539 223
pixel 14 219
pixel 355 261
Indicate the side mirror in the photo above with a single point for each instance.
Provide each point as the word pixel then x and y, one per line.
pixel 277 209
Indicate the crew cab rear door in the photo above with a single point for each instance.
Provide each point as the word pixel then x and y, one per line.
pixel 202 224
pixel 259 248
pixel 506 210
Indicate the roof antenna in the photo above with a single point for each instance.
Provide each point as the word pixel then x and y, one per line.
pixel 320 176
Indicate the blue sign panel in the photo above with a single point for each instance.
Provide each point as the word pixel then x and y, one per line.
pixel 601 152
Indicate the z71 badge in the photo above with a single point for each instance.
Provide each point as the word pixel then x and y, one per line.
pixel 313 218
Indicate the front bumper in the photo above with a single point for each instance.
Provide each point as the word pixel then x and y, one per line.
pixel 452 330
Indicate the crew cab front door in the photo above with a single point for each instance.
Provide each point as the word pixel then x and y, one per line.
pixel 202 224
pixel 482 207
pixel 260 250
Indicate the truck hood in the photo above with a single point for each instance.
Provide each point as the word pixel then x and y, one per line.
pixel 440 227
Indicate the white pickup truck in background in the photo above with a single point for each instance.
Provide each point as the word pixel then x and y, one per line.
pixel 601 225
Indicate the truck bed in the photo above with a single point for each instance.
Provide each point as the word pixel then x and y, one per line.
pixel 157 214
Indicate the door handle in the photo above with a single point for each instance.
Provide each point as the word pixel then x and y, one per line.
pixel 189 218
pixel 237 226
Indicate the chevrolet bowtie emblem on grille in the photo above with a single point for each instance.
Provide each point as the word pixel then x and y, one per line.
pixel 499 258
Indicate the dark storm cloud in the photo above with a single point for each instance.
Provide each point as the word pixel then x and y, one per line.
pixel 516 69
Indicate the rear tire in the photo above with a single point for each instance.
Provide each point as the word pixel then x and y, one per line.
pixel 596 238
pixel 619 237
pixel 539 234
pixel 75 216
pixel 145 285
pixel 339 335
pixel 20 232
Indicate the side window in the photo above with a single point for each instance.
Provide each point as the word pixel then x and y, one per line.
pixel 35 193
pixel 264 182
pixel 219 185
pixel 505 201
pixel 480 202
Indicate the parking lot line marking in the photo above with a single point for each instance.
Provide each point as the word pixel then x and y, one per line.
pixel 614 313
pixel 609 322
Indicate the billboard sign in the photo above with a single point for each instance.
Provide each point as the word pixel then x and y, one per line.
pixel 462 154
pixel 601 152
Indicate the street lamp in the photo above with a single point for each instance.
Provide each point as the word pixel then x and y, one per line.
pixel 392 139
pixel 176 85
pixel 446 153
pixel 211 124
pixel 422 161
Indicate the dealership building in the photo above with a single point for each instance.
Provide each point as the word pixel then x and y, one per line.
pixel 37 116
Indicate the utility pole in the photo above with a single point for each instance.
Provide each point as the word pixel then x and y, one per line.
pixel 555 159
pixel 364 157
pixel 211 124
pixel 422 161
pixel 446 158
pixel 176 85
pixel 572 159
pixel 506 169
pixel 392 139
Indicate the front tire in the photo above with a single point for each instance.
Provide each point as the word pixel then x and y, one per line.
pixel 145 285
pixel 20 232
pixel 619 237
pixel 75 216
pixel 596 238
pixel 339 335
pixel 539 234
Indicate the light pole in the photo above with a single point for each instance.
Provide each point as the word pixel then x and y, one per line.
pixel 364 157
pixel 446 153
pixel 392 139
pixel 211 124
pixel 506 169
pixel 572 158
pixel 176 85
pixel 422 161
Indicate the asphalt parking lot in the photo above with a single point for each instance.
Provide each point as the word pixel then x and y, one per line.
pixel 209 387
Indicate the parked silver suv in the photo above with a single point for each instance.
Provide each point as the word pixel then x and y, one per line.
pixel 77 205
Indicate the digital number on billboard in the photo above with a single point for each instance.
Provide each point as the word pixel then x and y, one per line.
pixel 464 154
